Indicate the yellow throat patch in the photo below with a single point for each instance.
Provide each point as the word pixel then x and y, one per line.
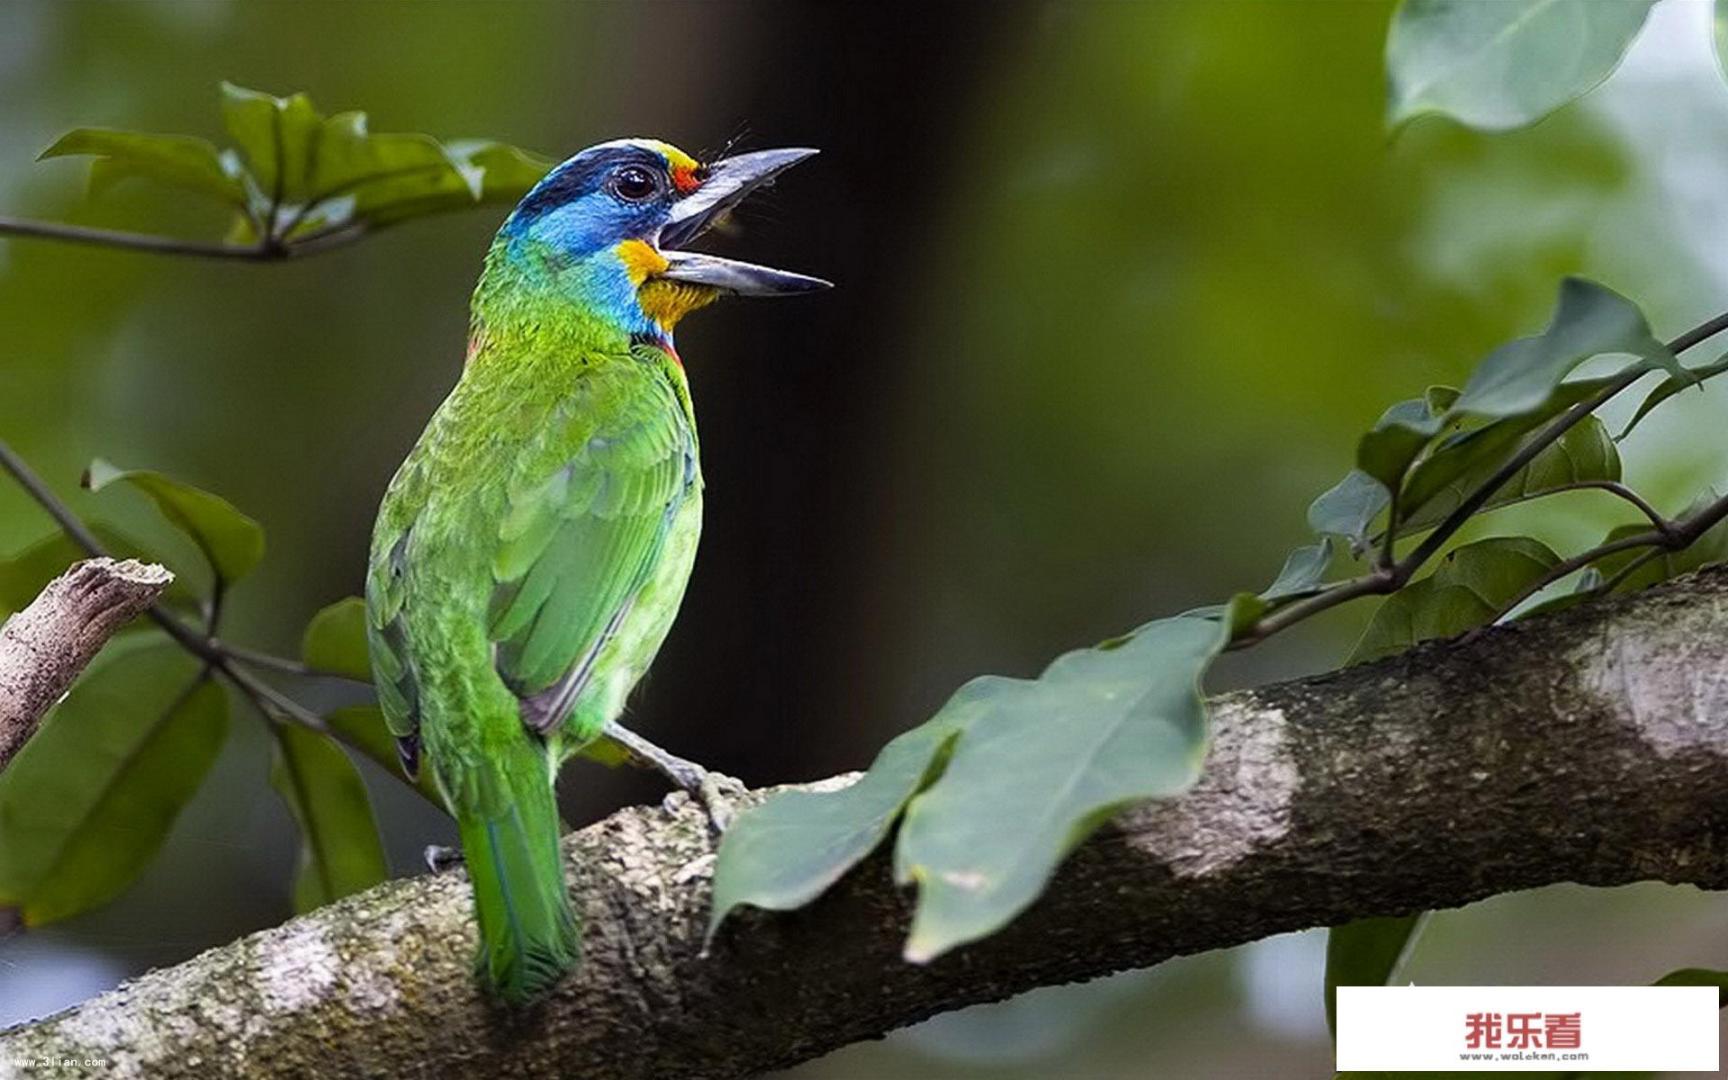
pixel 662 300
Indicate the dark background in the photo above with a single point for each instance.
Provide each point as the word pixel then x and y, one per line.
pixel 1118 284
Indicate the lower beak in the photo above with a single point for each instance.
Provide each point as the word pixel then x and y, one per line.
pixel 729 181
pixel 739 278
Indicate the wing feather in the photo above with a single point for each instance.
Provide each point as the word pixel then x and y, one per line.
pixel 584 531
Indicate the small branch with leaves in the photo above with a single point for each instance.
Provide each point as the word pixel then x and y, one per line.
pixel 297 182
pixel 1100 729
pixel 1326 799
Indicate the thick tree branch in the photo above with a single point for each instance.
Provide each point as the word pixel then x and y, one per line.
pixel 1589 746
pixel 45 646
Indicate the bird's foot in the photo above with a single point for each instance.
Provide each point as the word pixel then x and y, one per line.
pixel 440 858
pixel 715 793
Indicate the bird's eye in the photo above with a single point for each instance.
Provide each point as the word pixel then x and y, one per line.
pixel 634 184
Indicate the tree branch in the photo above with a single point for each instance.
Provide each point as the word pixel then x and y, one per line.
pixel 273 249
pixel 1589 746
pixel 45 646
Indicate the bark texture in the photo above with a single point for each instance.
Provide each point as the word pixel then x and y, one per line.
pixel 45 646
pixel 1590 746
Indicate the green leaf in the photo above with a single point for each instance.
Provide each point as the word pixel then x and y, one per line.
pixel 786 852
pixel 278 136
pixel 300 174
pixel 179 160
pixel 1041 765
pixel 340 853
pixel 504 172
pixel 1395 441
pixel 1349 508
pixel 350 156
pixel 232 542
pixel 996 789
pixel 1507 63
pixel 1367 952
pixel 1670 386
pixel 1588 582
pixel 1470 587
pixel 1589 320
pixel 1707 550
pixel 1719 36
pixel 1699 977
pixel 1585 453
pixel 477 173
pixel 1304 571
pixel 86 804
pixel 335 640
pixel 362 727
pixel 23 574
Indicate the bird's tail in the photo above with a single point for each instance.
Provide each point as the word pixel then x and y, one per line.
pixel 529 936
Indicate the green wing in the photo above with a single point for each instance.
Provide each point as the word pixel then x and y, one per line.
pixel 386 591
pixel 584 529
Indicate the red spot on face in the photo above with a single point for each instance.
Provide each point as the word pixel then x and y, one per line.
pixel 687 178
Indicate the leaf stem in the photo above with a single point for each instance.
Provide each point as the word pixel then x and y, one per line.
pixel 205 648
pixel 1390 578
pixel 1616 488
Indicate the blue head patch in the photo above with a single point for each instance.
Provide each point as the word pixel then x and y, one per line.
pixel 603 196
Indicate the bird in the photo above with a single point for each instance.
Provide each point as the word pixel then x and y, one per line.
pixel 532 550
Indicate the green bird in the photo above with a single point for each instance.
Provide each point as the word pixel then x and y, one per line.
pixel 531 553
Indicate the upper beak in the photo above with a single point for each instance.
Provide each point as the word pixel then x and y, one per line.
pixel 729 181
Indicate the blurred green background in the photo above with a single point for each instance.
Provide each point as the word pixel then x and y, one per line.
pixel 1119 285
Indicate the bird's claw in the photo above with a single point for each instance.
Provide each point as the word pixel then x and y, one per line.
pixel 718 794
pixel 440 858
pixel 712 791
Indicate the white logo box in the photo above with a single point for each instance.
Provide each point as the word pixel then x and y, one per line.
pixel 1430 1028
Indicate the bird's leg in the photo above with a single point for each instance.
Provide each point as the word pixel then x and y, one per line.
pixel 440 858
pixel 711 791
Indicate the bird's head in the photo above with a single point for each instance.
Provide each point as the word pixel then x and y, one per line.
pixel 606 226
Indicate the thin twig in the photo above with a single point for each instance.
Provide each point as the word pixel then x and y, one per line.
pixel 1390 579
pixel 113 238
pixel 267 249
pixel 201 646
pixel 269 699
pixel 270 661
pixel 1628 570
pixel 1658 539
pixel 1615 487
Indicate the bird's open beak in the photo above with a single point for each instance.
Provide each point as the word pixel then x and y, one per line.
pixel 729 181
